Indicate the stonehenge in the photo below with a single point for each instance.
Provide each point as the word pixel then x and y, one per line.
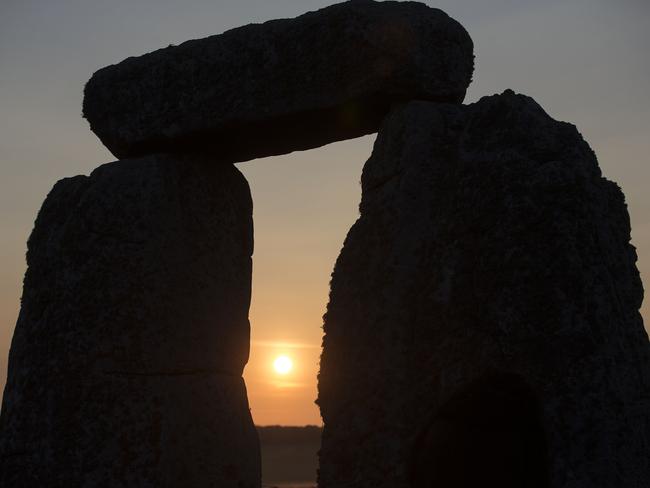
pixel 483 321
pixel 489 245
pixel 126 363
pixel 285 85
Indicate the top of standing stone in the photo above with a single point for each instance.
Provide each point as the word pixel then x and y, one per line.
pixel 281 86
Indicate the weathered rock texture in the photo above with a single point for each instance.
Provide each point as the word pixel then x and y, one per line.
pixel 489 247
pixel 281 86
pixel 125 366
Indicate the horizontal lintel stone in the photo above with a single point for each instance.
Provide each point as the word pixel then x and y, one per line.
pixel 284 85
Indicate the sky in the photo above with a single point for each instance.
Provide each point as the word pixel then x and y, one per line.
pixel 584 61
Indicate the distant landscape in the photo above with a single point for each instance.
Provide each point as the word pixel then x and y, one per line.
pixel 289 455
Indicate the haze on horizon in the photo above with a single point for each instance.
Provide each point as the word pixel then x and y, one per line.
pixel 584 61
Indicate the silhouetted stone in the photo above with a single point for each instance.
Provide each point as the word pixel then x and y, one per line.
pixel 281 86
pixel 125 366
pixel 489 246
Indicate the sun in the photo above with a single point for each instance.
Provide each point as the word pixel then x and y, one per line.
pixel 282 364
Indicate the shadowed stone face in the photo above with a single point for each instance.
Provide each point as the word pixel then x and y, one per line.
pixel 489 433
pixel 281 86
pixel 488 240
pixel 125 366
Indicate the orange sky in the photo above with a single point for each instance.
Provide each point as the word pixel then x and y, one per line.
pixel 303 205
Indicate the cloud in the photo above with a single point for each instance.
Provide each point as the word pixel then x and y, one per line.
pixel 284 345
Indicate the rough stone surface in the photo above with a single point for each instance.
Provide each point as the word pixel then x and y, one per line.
pixel 125 366
pixel 281 86
pixel 488 244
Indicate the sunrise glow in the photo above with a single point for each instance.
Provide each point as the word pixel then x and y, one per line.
pixel 282 365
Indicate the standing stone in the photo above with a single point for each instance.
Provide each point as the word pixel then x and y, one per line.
pixel 125 366
pixel 484 318
pixel 281 86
